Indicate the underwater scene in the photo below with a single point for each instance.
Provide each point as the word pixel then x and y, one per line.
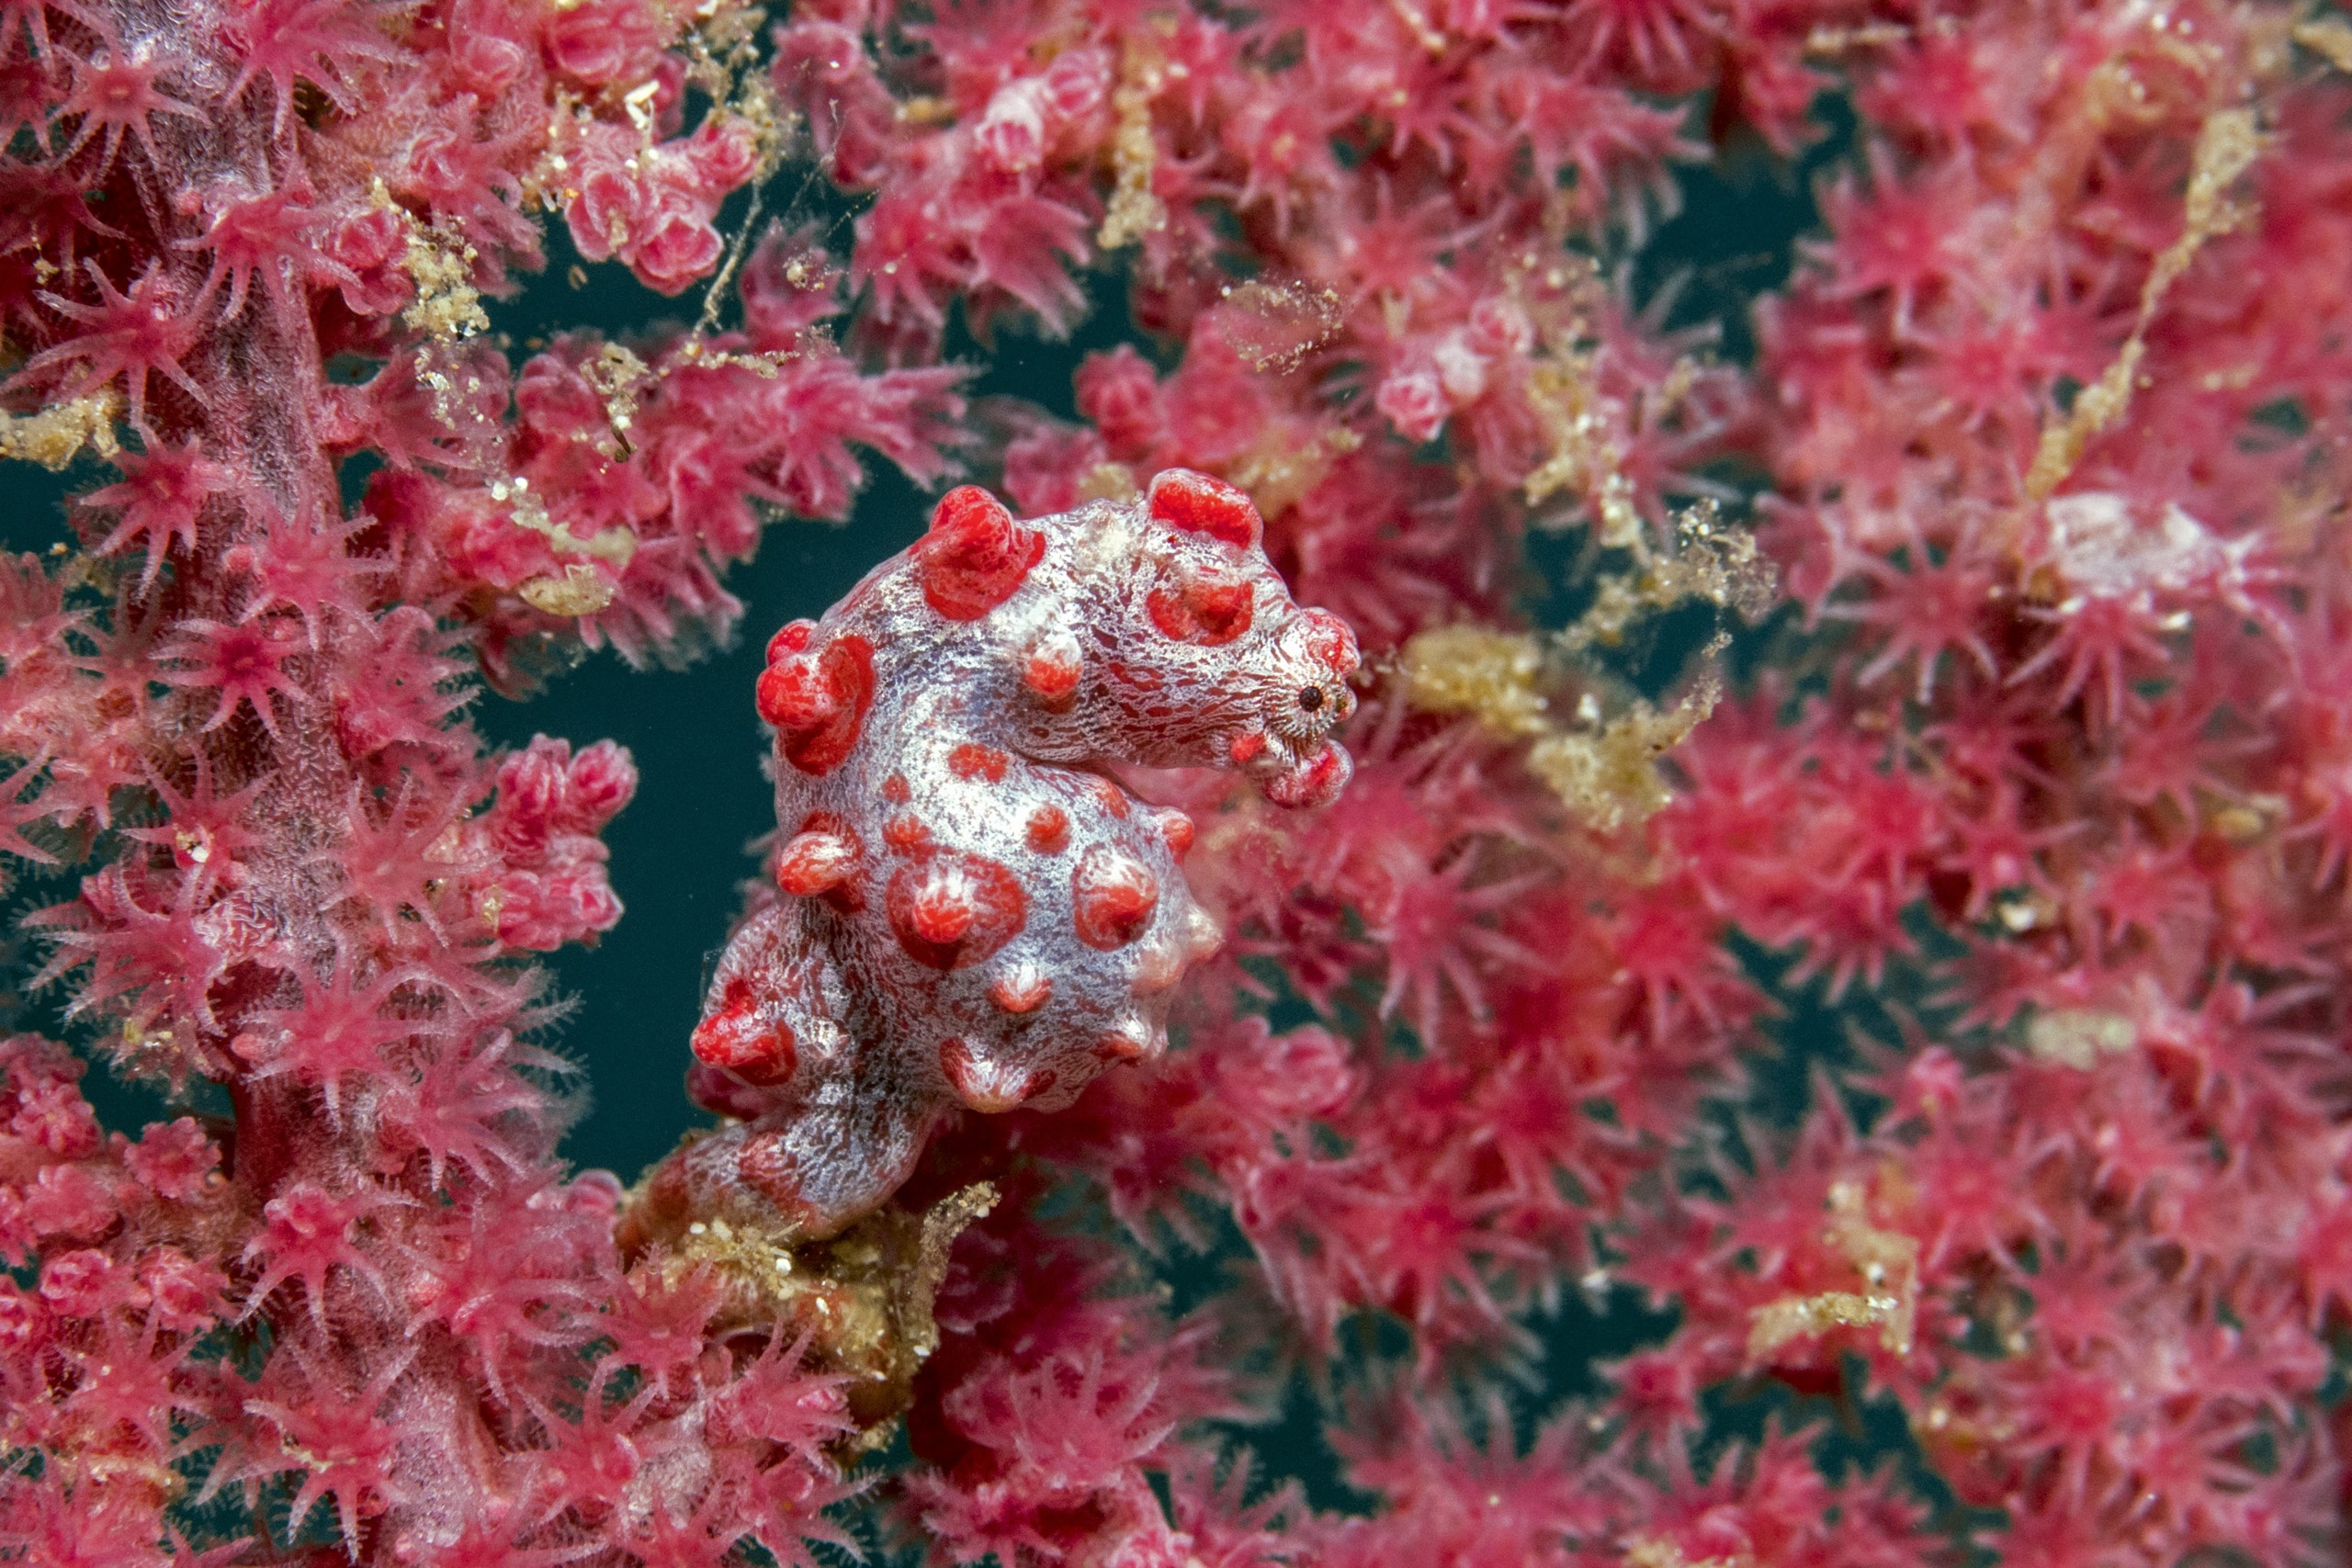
pixel 1167 783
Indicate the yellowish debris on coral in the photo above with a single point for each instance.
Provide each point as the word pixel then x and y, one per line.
pixel 1134 209
pixel 580 590
pixel 1609 777
pixel 1887 1265
pixel 1584 455
pixel 1656 1551
pixel 1474 669
pixel 1275 325
pixel 863 1298
pixel 619 377
pixel 923 108
pixel 55 435
pixel 1603 769
pixel 1587 455
pixel 1710 559
pixel 2330 38
pixel 2247 817
pixel 441 264
pixel 1108 481
pixel 2078 1037
pixel 2227 145
pixel 1279 469
pixel 1828 41
pixel 1775 1324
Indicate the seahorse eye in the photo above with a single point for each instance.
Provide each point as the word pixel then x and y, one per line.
pixel 1310 697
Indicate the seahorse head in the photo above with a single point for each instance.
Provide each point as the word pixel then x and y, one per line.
pixel 1178 645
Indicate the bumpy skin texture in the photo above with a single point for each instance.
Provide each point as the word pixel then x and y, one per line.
pixel 971 913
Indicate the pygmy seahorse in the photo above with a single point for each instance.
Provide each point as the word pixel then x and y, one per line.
pixel 969 911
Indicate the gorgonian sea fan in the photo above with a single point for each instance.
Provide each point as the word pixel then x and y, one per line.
pixel 2038 781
